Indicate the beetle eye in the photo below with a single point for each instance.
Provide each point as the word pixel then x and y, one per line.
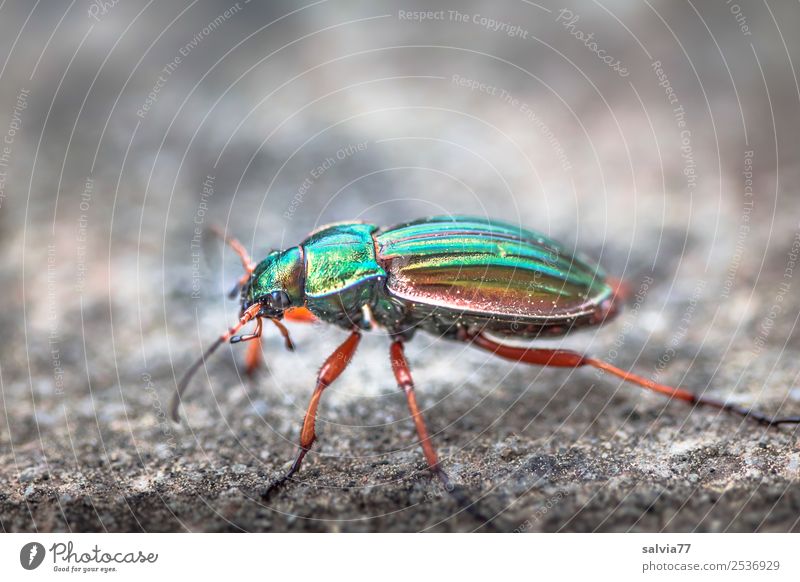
pixel 279 300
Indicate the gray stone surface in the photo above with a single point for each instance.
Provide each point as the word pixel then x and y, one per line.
pixel 107 300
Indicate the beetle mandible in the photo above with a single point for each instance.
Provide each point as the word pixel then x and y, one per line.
pixel 465 279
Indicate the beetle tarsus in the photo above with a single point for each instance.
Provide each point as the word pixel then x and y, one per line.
pixel 755 415
pixel 280 482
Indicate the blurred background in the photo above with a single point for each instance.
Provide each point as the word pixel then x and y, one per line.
pixel 659 138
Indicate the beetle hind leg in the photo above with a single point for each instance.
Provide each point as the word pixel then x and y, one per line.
pixel 570 359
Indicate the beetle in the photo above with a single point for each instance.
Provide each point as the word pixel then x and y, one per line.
pixel 465 279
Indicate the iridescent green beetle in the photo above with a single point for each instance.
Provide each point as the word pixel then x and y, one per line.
pixel 465 279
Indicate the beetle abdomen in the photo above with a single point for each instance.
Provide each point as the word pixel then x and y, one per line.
pixel 462 270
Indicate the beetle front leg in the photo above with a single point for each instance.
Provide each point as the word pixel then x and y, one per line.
pixel 299 315
pixel 570 359
pixel 331 369
pixel 253 357
pixel 287 340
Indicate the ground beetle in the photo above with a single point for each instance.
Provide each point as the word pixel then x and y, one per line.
pixel 465 279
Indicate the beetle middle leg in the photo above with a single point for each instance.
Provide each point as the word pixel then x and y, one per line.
pixel 405 382
pixel 570 359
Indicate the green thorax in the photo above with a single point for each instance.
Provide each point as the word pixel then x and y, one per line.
pixel 341 272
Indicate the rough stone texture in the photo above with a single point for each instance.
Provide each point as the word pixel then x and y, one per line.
pixel 97 331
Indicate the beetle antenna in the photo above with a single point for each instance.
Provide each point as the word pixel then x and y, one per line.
pixel 249 314
pixel 238 248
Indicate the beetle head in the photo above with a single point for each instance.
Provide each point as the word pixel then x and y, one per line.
pixel 276 283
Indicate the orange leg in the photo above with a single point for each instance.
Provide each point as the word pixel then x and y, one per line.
pixel 404 381
pixel 402 374
pixel 299 315
pixel 285 333
pixel 253 358
pixel 569 359
pixel 331 369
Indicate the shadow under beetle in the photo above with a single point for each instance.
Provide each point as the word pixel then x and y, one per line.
pixel 465 279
